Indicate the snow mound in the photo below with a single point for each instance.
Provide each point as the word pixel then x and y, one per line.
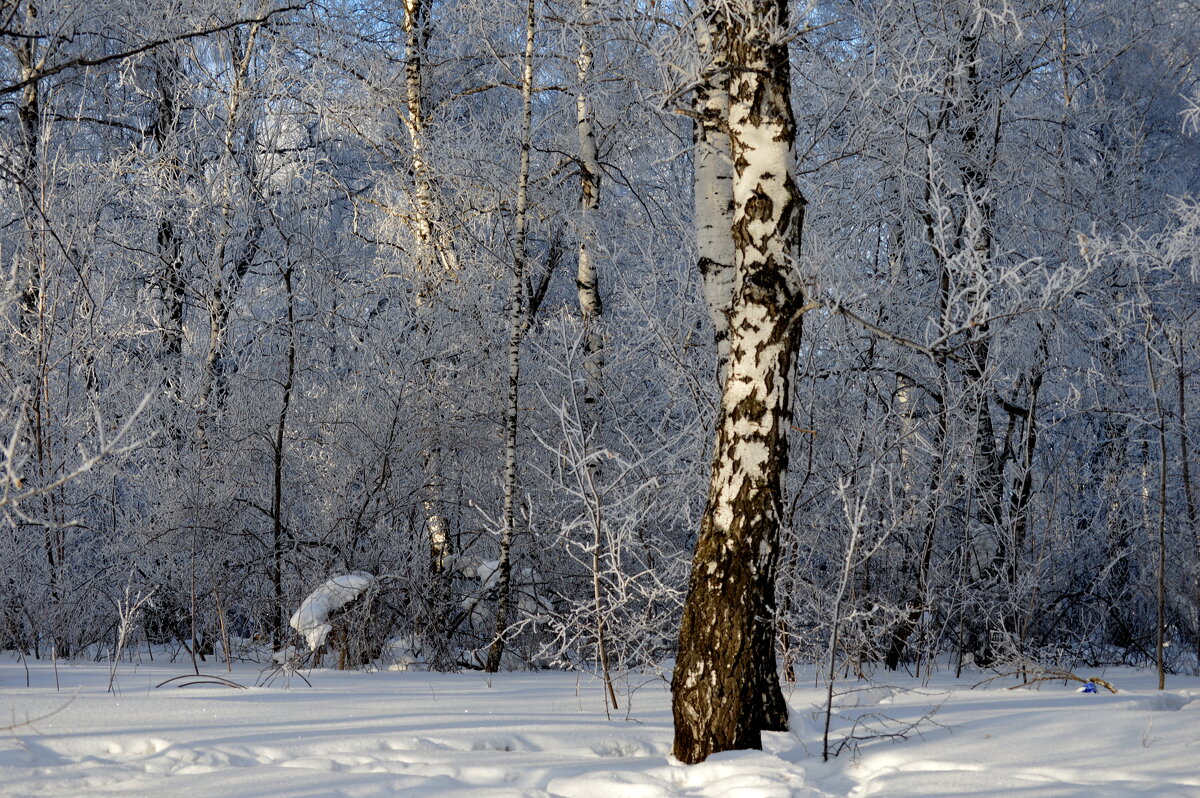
pixel 312 619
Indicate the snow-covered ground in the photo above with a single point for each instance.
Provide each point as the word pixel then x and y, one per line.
pixel 546 734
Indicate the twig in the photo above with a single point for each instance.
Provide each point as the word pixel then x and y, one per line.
pixel 204 678
pixel 1045 675
pixel 50 714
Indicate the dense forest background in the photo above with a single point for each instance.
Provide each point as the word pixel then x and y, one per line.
pixel 269 273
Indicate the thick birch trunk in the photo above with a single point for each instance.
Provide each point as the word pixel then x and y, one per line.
pixel 518 321
pixel 726 686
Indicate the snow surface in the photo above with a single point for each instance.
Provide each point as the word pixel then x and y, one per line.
pixel 312 618
pixel 546 734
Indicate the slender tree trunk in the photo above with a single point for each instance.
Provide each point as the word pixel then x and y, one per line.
pixel 433 244
pixel 725 688
pixel 518 321
pixel 415 14
pixel 587 284
pixel 277 525
pixel 918 601
pixel 1160 631
pixel 30 267
pixel 974 238
pixel 433 248
pixel 1022 485
pixel 587 281
pixel 227 281
pixel 29 121
pixel 1111 463
pixel 835 626
pixel 170 280
pixel 905 409
pixel 591 493
pixel 1188 496
pixel 33 357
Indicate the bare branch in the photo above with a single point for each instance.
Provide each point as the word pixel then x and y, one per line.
pixel 83 62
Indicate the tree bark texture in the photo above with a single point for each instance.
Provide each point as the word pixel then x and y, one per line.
pixel 726 685
pixel 713 187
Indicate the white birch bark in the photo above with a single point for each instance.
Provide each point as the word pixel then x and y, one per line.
pixel 433 245
pixel 726 686
pixel 586 279
pixel 713 190
pixel 518 321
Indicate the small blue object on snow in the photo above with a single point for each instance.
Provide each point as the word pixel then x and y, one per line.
pixel 1089 687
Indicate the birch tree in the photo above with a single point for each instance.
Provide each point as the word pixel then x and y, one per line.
pixel 518 321
pixel 436 257
pixel 725 689
pixel 587 281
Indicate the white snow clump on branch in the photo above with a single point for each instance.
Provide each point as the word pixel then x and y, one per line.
pixel 312 619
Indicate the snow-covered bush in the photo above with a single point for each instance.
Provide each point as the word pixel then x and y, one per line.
pixel 339 612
